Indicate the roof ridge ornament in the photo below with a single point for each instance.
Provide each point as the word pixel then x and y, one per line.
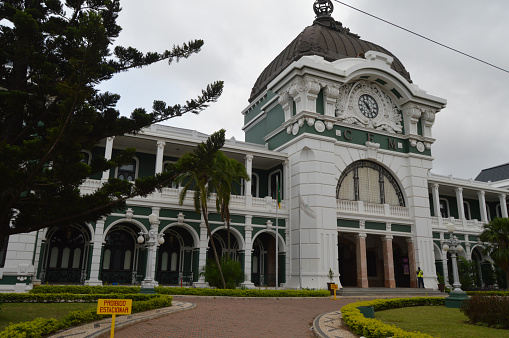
pixel 323 8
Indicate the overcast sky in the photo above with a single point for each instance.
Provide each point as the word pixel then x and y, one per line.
pixel 243 37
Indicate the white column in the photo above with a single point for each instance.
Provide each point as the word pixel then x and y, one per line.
pixel 503 205
pixel 285 182
pixel 468 248
pixel 459 201
pixel 248 252
pixel 202 260
pixel 107 155
pixel 159 156
pixel 288 250
pixel 96 253
pixel 436 200
pixel 249 171
pixel 482 206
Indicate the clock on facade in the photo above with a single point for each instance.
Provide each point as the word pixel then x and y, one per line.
pixel 368 106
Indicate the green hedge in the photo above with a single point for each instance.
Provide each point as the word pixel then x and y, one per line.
pixel 368 327
pixel 78 289
pixel 488 293
pixel 40 326
pixel 242 292
pixel 66 297
pixel 85 289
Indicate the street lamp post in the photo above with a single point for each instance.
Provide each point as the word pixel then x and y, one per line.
pixel 453 246
pixel 150 239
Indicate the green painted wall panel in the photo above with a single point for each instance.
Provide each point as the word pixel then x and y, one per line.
pixel 375 226
pixel 436 235
pixel 401 228
pixel 348 223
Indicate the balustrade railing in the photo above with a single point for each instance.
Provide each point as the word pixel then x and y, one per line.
pixel 360 207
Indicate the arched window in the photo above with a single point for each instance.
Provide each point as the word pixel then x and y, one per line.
pixel 466 207
pixel 118 251
pixel 66 256
pixel 444 208
pixel 87 156
pixel 369 182
pixel 272 184
pixel 128 171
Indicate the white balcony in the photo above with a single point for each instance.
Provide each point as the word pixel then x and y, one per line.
pixel 374 209
pixel 170 196
pixel 460 224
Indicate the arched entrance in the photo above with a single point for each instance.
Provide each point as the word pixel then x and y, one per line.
pixel 121 256
pixel 175 258
pixel 347 260
pixel 67 255
pixel 401 263
pixel 263 260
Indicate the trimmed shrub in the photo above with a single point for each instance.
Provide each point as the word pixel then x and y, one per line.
pixel 232 273
pixel 85 289
pixel 40 326
pixel 241 292
pixel 487 310
pixel 374 328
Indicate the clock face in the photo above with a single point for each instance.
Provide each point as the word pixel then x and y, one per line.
pixel 368 106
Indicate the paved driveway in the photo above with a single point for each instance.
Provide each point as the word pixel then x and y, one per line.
pixel 237 317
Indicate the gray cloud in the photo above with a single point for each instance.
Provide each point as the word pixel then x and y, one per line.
pixel 241 38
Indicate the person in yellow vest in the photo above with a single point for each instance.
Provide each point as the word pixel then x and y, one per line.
pixel 420 279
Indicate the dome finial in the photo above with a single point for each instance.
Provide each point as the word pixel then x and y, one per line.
pixel 323 8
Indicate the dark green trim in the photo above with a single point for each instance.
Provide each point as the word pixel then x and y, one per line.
pixel 436 235
pixel 375 226
pixel 347 223
pixel 401 228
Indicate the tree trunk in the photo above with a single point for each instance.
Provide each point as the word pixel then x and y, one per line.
pixel 205 217
pixel 507 279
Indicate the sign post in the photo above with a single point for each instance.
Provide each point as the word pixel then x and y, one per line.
pixel 334 287
pixel 114 307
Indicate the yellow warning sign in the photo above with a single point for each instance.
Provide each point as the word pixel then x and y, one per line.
pixel 114 306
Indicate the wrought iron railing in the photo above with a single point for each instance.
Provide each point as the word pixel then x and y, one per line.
pixel 54 275
pixel 118 276
pixel 263 279
pixel 174 277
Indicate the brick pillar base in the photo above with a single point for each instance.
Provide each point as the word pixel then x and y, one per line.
pixel 411 261
pixel 362 267
pixel 390 282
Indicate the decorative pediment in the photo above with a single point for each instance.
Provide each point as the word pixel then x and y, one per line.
pixel 364 103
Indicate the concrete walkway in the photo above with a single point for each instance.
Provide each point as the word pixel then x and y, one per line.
pixel 227 317
pixel 242 317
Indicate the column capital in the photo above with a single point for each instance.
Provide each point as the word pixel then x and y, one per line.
pixel 435 185
pixel 502 196
pixel 481 193
pixel 111 138
pixel 387 238
pixel 458 189
pixel 249 158
pixel 361 236
pixel 161 144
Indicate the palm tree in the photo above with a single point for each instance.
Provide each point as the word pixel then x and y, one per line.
pixel 230 171
pixel 496 236
pixel 197 170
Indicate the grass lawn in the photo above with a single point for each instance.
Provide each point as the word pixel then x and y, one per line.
pixel 23 312
pixel 437 321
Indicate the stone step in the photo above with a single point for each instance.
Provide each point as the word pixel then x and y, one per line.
pixel 385 292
